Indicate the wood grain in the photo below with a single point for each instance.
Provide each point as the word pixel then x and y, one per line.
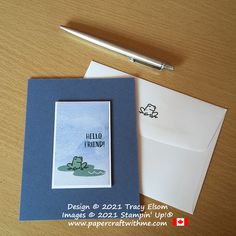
pixel 198 37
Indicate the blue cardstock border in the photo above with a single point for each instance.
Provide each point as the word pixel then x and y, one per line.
pixel 38 200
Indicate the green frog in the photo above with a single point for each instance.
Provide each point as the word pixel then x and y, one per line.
pixel 77 163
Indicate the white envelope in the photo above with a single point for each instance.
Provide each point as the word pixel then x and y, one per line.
pixel 178 134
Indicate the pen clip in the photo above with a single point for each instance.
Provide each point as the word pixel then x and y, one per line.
pixel 146 64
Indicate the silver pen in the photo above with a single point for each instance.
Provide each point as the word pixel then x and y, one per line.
pixel 133 56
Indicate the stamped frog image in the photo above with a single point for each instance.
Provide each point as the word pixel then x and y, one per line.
pixel 77 163
pixel 81 168
pixel 149 110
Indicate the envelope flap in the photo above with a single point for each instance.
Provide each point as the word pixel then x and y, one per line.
pixel 176 119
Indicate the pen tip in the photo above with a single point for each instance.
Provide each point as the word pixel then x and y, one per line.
pixel 63 27
pixel 168 67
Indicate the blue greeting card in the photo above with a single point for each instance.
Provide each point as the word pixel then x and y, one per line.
pixel 80 149
pixel 82 152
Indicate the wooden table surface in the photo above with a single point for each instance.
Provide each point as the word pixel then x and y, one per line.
pixel 198 37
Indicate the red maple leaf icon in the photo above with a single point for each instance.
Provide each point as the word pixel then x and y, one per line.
pixel 180 222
